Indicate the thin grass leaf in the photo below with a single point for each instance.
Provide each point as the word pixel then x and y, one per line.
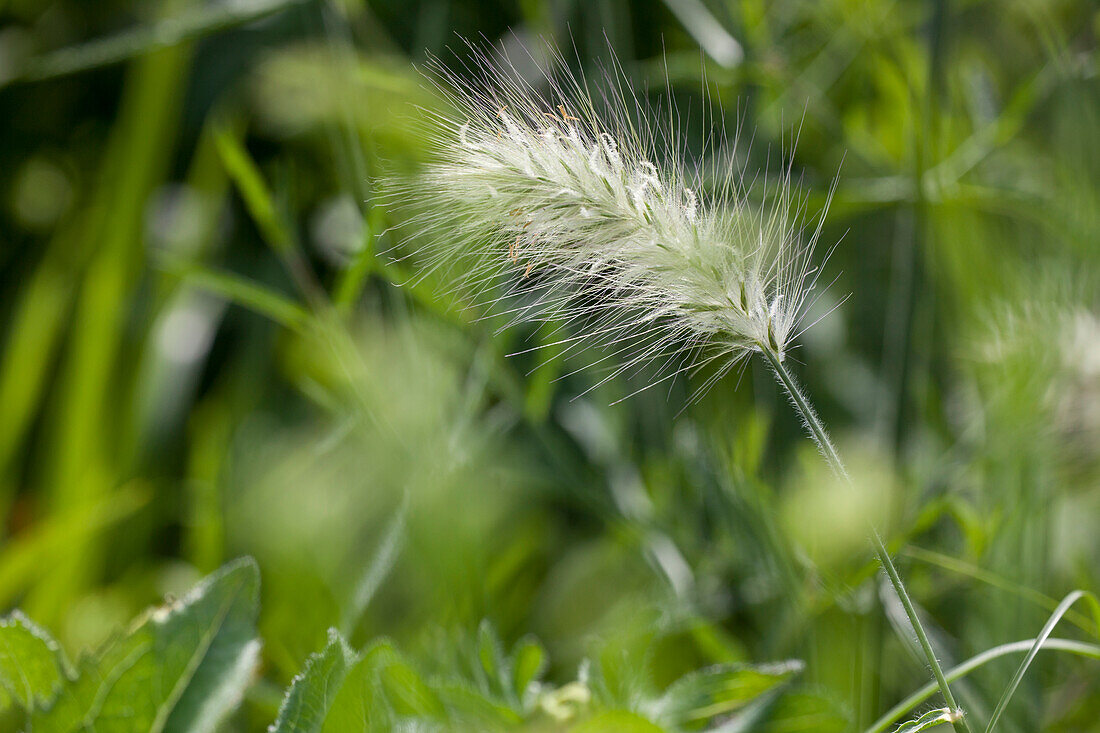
pixel 254 190
pixel 891 716
pixel 162 34
pixel 34 336
pixel 244 292
pixel 382 562
pixel 707 31
pixel 25 555
pixel 993 580
pixel 1055 617
pixel 82 466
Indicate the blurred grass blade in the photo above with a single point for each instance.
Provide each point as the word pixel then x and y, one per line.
pixel 707 31
pixel 25 555
pixel 1055 617
pixel 261 207
pixel 160 34
pixel 253 189
pixel 382 562
pixel 35 334
pixel 718 691
pixel 350 284
pixel 246 293
pixel 85 426
pixel 993 580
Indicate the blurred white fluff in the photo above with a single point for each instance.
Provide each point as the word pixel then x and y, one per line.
pixel 556 196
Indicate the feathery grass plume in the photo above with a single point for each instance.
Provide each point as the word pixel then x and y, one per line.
pixel 560 206
pixel 560 199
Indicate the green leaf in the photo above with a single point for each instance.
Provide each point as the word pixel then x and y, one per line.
pixel 168 32
pixel 253 189
pixel 930 719
pixel 379 685
pixel 528 664
pixel 490 655
pixel 407 691
pixel 473 707
pixel 381 563
pixel 24 555
pixel 700 696
pixel 181 669
pixel 31 666
pixel 312 693
pixel 359 703
pixel 799 711
pixel 1048 629
pixel 244 292
pixel 616 721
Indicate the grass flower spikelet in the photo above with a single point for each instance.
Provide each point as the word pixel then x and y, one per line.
pixel 590 217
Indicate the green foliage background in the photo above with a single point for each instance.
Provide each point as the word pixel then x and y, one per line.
pixel 207 353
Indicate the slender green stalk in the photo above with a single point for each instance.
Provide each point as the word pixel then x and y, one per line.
pixel 809 416
pixel 817 431
pixel 926 646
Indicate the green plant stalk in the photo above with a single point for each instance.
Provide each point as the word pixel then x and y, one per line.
pixel 817 431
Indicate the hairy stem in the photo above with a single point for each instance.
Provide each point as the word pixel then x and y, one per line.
pixel 817 431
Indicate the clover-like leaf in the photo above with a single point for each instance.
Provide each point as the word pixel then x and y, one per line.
pixel 700 696
pixel 307 702
pixel 181 668
pixel 31 664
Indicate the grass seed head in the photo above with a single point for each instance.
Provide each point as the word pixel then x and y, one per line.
pixel 584 207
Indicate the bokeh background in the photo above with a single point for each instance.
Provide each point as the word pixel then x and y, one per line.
pixel 207 351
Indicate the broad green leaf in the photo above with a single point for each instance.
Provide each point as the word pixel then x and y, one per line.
pixel 183 667
pixel 930 719
pixel 31 665
pixel 310 696
pixel 700 696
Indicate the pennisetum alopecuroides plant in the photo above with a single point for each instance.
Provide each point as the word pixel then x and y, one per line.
pixel 562 209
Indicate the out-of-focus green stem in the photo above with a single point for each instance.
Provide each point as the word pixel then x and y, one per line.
pixel 163 33
pixel 817 431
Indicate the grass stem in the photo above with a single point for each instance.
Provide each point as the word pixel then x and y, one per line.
pixel 817 431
